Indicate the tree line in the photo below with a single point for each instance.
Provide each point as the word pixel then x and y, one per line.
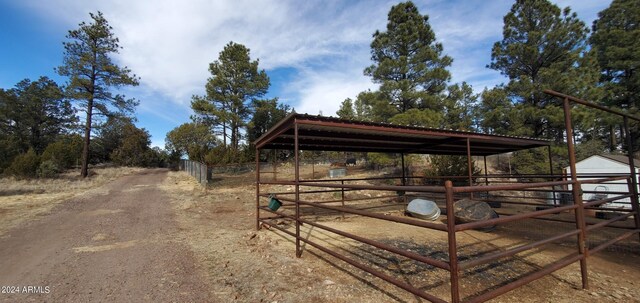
pixel 543 47
pixel 40 121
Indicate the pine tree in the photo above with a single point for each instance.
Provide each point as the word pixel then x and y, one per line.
pixel 235 81
pixel 346 110
pixel 410 68
pixel 543 48
pixel 616 40
pixel 266 114
pixel 33 114
pixel 92 74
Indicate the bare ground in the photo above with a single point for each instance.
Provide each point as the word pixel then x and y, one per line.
pixel 115 244
pixel 158 236
pixel 248 266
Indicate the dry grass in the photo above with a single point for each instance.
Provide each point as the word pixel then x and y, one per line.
pixel 23 200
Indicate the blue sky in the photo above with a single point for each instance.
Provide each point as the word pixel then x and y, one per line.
pixel 313 51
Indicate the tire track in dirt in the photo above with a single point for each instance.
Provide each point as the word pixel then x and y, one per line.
pixel 119 243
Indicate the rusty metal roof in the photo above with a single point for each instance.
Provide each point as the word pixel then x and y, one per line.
pixel 334 134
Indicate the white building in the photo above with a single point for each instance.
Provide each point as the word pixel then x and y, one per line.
pixel 605 165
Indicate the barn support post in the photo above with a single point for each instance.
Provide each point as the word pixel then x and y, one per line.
pixel 342 195
pixel 469 165
pixel 404 175
pixel 313 165
pixel 486 173
pixel 634 178
pixel 275 164
pixel 257 189
pixel 553 189
pixel 297 182
pixel 453 249
pixel 577 195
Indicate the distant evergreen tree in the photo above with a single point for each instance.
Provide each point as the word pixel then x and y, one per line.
pixel 92 74
pixel 266 114
pixel 235 81
pixel 192 139
pixel 346 110
pixel 33 114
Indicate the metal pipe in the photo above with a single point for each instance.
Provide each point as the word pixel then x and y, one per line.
pixel 297 184
pixel 404 253
pixel 468 189
pixel 526 279
pixel 257 189
pixel 606 223
pixel 303 192
pixel 507 253
pixel 577 195
pixel 407 221
pixel 360 186
pixel 574 222
pixel 553 193
pixel 404 175
pixel 354 199
pixel 502 220
pixel 634 177
pixel 603 201
pixel 469 166
pixel 342 197
pixel 613 241
pixel 416 291
pixel 589 104
pixel 313 165
pixel 453 250
pixel 486 173
pixel 603 180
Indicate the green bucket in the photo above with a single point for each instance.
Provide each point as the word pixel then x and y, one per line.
pixel 274 204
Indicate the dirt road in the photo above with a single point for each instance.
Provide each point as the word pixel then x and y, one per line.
pixel 119 243
pixel 160 237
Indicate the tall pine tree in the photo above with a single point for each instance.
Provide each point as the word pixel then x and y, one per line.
pixel 616 40
pixel 235 81
pixel 411 69
pixel 543 47
pixel 93 74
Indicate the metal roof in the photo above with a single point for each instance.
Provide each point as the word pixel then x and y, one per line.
pixel 334 134
pixel 624 159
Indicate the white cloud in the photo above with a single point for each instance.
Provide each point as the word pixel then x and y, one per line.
pixel 169 43
pixel 322 92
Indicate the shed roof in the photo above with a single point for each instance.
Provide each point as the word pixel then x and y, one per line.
pixel 621 158
pixel 334 134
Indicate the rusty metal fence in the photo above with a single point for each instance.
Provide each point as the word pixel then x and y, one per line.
pixel 198 170
pixel 300 199
pixel 298 207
